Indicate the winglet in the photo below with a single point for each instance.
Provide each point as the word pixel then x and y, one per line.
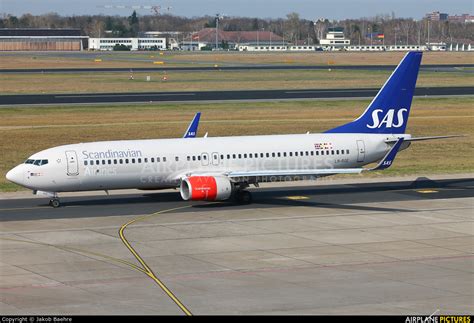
pixel 191 132
pixel 387 161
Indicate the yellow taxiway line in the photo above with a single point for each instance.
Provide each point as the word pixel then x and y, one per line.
pixel 147 270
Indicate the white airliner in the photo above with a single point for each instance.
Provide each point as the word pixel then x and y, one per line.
pixel 219 168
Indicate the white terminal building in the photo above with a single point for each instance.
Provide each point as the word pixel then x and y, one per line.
pixel 335 39
pixel 132 43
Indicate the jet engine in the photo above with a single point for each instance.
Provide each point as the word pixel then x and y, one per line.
pixel 208 188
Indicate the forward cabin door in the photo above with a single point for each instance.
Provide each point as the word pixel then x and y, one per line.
pixel 360 151
pixel 72 163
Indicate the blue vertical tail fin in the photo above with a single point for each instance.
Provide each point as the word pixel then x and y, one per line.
pixel 191 132
pixel 388 112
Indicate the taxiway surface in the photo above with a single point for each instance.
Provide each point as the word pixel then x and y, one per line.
pixel 338 247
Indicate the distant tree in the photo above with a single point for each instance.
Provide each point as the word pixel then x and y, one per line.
pixel 255 24
pixel 121 47
pixel 13 22
pixel 211 23
pixel 134 24
pixel 292 26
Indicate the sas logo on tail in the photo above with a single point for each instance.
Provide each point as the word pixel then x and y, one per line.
pixel 388 119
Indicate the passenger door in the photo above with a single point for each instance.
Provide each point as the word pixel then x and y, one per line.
pixel 360 151
pixel 72 163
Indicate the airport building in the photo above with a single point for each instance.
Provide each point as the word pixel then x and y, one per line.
pixel 257 40
pixel 335 39
pixel 108 44
pixel 42 39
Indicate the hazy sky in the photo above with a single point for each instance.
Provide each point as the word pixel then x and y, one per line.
pixel 310 9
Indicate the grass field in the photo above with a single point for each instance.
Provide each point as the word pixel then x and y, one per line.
pixel 28 130
pixel 172 58
pixel 214 80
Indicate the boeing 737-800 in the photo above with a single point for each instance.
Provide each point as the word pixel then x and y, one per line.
pixel 218 168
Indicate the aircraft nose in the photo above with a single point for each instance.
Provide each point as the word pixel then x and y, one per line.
pixel 15 175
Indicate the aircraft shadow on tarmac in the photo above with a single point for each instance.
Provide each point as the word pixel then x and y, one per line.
pixel 317 196
pixel 345 197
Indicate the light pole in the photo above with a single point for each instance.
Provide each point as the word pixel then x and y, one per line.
pixel 218 17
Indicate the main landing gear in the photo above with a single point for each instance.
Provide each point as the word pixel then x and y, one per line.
pixel 243 197
pixel 54 202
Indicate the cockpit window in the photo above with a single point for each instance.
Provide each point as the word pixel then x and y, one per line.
pixel 37 162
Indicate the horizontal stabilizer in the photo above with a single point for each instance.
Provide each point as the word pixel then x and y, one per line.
pixel 424 138
pixel 387 161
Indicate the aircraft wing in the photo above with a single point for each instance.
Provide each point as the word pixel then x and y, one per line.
pixel 191 132
pixel 238 176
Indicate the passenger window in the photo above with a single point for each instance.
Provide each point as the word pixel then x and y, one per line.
pixel 97 162
pixel 245 155
pixel 139 160
pixel 103 161
pixel 194 158
pixel 332 152
pixel 342 152
pixel 240 156
pixel 291 154
pixel 85 162
pixel 317 153
pixel 152 159
pixel 115 161
pixel 133 160
pixel 347 151
pixel 273 154
pixel 312 152
pixel 228 156
pixel 188 158
pixel 121 161
pixel 250 155
pixel 157 159
pixel 268 155
pixel 279 154
pixel 109 162
pixel 307 153
pixel 233 156
pixel 222 157
pixel 199 157
pixel 126 160
pixel 327 152
pixel 164 159
pixel 296 154
pixel 261 155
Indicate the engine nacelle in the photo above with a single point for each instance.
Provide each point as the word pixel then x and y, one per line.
pixel 208 188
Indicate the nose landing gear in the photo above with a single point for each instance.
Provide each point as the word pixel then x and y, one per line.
pixel 54 201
